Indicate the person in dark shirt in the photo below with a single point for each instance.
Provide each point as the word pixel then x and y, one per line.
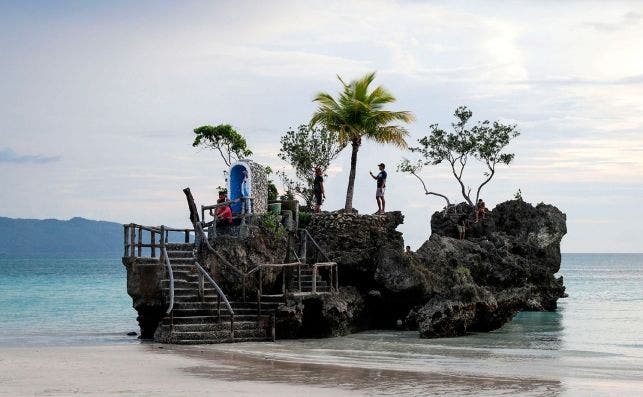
pixel 462 226
pixel 381 187
pixel 318 189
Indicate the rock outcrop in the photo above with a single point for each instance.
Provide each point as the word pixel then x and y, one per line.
pixel 449 287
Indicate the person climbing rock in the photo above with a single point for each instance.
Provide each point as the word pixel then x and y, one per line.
pixel 318 189
pixel 381 187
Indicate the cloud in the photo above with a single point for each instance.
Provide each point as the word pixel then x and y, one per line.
pixel 7 155
pixel 626 21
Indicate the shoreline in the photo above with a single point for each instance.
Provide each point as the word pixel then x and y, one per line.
pixel 246 368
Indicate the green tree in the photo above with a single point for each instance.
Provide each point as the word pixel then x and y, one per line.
pixel 358 113
pixel 230 144
pixel 306 149
pixel 484 142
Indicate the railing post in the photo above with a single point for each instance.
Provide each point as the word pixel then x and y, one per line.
pixel 259 290
pixel 187 236
pixel 153 243
pixel 132 245
pixel 232 328
pixel 274 321
pixel 125 245
pixel 218 308
pixel 202 214
pixel 299 275
pixel 140 241
pixel 201 288
pixel 314 290
pixel 283 283
pixel 243 288
pixel 302 249
pixel 336 277
pixel 163 241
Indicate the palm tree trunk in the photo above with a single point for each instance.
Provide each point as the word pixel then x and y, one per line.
pixel 351 178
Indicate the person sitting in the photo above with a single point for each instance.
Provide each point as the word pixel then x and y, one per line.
pixel 480 210
pixel 408 250
pixel 223 213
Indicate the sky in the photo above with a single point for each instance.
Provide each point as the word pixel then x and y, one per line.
pixel 98 101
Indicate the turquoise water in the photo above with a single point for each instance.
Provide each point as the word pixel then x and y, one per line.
pixel 64 301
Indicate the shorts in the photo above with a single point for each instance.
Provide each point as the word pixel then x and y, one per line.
pixel 461 228
pixel 379 192
pixel 318 198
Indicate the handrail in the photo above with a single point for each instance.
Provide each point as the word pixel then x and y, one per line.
pixel 316 245
pixel 204 238
pixel 215 285
pixel 169 272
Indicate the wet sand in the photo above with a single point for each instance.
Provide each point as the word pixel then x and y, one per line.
pixel 153 369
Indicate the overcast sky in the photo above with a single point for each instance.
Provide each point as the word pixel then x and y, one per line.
pixel 98 101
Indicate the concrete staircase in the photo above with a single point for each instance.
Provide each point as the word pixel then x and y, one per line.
pixel 196 320
pixel 307 281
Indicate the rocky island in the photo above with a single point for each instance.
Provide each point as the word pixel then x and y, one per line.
pixel 449 287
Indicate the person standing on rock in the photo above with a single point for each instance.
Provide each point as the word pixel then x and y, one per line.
pixel 381 187
pixel 318 189
pixel 462 226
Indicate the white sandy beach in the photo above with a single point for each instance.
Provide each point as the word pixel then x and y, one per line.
pixel 152 369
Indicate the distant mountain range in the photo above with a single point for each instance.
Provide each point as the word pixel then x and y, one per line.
pixel 77 237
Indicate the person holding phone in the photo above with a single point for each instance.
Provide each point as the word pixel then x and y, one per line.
pixel 381 187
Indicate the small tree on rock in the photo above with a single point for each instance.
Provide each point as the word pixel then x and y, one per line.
pixel 485 142
pixel 305 149
pixel 230 144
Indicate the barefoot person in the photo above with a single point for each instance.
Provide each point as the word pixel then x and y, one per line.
pixel 462 226
pixel 381 187
pixel 318 189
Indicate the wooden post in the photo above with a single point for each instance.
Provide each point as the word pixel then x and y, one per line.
pixel 314 291
pixel 218 308
pixel 274 321
pixel 259 294
pixel 187 236
pixel 232 328
pixel 163 241
pixel 283 283
pixel 336 277
pixel 299 275
pixel 140 241
pixel 302 249
pixel 201 287
pixel 125 245
pixel 153 243
pixel 132 234
pixel 243 288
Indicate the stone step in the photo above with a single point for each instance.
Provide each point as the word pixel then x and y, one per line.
pixel 212 327
pixel 180 254
pixel 215 341
pixel 182 261
pixel 218 335
pixel 179 246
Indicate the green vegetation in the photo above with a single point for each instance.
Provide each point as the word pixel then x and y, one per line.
pixel 306 149
pixel 358 113
pixel 230 144
pixel 484 142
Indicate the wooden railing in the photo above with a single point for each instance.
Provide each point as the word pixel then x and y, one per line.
pixel 137 237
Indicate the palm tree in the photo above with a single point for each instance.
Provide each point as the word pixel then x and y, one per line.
pixel 358 113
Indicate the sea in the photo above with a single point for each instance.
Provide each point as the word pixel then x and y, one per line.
pixel 594 338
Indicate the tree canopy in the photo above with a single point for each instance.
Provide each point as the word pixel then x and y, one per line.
pixel 484 142
pixel 359 113
pixel 230 144
pixel 306 149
